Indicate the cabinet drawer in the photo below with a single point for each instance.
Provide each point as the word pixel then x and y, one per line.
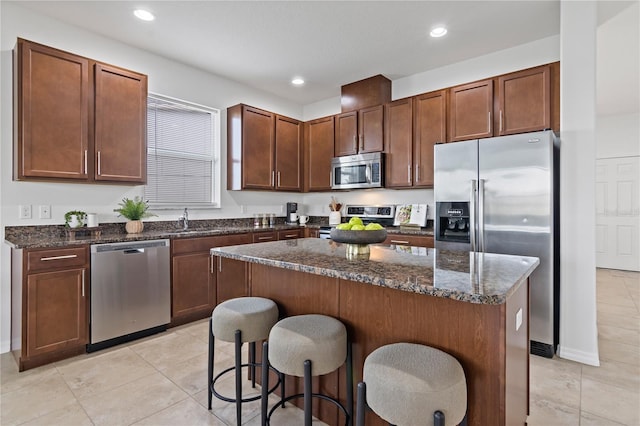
pixel 261 237
pixel 290 234
pixel 191 245
pixel 409 240
pixel 40 260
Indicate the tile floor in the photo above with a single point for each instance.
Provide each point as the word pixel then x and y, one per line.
pixel 161 380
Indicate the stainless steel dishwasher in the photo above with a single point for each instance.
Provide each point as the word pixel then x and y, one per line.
pixel 130 291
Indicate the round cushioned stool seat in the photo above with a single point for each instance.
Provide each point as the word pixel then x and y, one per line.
pixel 407 383
pixel 253 316
pixel 318 338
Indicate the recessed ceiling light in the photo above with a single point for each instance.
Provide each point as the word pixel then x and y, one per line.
pixel 145 15
pixel 438 32
pixel 297 81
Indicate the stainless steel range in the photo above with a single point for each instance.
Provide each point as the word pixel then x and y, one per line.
pixel 383 214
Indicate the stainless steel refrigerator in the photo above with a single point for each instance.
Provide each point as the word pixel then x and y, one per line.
pixel 500 195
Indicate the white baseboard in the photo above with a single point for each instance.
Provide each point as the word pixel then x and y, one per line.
pixel 589 358
pixel 5 346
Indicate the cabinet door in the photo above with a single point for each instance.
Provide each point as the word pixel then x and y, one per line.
pixel 56 311
pixel 288 154
pixel 525 101
pixel 319 136
pixel 430 127
pixel 398 140
pixel 346 141
pixel 193 290
pixel 52 94
pixel 120 125
pixel 258 147
pixel 231 279
pixel 470 111
pixel 371 129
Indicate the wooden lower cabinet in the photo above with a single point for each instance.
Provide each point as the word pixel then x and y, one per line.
pixel 50 304
pixel 194 274
pixel 409 240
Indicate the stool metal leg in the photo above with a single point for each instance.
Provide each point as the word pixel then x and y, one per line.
pixel 307 393
pixel 252 362
pixel 265 384
pixel 438 418
pixel 210 367
pixel 238 344
pixel 361 403
pixel 349 385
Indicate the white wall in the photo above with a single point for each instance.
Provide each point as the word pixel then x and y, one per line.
pixel 618 135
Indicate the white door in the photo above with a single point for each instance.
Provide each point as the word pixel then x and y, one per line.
pixel 618 213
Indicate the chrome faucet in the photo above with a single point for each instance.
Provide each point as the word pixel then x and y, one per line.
pixel 184 219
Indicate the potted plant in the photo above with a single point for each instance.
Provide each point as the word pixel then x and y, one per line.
pixel 74 218
pixel 134 210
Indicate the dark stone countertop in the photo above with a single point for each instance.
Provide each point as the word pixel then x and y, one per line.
pixel 55 236
pixel 483 278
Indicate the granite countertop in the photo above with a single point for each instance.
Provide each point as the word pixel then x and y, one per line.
pixel 54 236
pixel 483 278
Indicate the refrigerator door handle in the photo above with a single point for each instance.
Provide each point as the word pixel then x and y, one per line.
pixel 481 215
pixel 472 215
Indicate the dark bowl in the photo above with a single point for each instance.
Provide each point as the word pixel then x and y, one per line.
pixel 358 237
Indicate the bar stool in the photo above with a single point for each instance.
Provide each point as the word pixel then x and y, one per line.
pixel 408 383
pixel 240 320
pixel 307 346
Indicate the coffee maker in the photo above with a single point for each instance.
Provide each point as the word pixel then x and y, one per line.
pixel 292 213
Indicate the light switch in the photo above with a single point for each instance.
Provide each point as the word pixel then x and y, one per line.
pixel 518 319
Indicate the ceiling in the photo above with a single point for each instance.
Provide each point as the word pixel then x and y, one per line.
pixel 264 44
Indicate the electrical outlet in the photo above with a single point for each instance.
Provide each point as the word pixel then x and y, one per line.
pixel 45 211
pixel 25 211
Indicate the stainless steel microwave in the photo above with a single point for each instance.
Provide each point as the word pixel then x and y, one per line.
pixel 358 171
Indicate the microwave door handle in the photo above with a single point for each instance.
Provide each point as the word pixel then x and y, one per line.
pixel 367 173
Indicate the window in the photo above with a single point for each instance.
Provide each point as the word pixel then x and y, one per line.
pixel 183 151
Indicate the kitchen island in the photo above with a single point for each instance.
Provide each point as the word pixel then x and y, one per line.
pixel 474 306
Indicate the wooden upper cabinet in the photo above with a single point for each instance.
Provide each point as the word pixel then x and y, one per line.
pixel 120 124
pixel 524 101
pixel 288 157
pixel 399 143
pixel 360 131
pixel 51 113
pixel 264 150
pixel 470 111
pixel 77 119
pixel 430 128
pixel 319 138
pixel 346 140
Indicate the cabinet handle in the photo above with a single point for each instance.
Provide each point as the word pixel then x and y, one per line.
pixel 290 235
pixel 489 120
pixel 265 238
pixel 500 120
pixel 99 172
pixel 273 177
pixel 220 264
pixel 355 142
pixel 278 179
pixel 417 173
pixel 361 142
pixel 67 256
pixel 399 242
pixel 86 170
pixel 82 283
pixel 409 173
pixel 211 264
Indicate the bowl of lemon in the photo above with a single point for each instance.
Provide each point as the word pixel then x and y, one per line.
pixel 355 232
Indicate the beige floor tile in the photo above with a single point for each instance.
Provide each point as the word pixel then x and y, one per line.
pixel 588 419
pixel 170 349
pixel 618 310
pixel 12 380
pixel 227 411
pixel 104 372
pixel 186 412
pixel 49 394
pixel 618 334
pixel 133 402
pixel 191 374
pixel 615 299
pixel 620 352
pixel 614 288
pixel 71 415
pixel 614 373
pixel 288 416
pixel 631 322
pixel 610 402
pixel 199 330
pixel 555 380
pixel 550 413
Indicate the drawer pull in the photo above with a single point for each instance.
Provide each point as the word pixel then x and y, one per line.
pixel 399 242
pixel 82 283
pixel 265 238
pixel 290 235
pixel 68 256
